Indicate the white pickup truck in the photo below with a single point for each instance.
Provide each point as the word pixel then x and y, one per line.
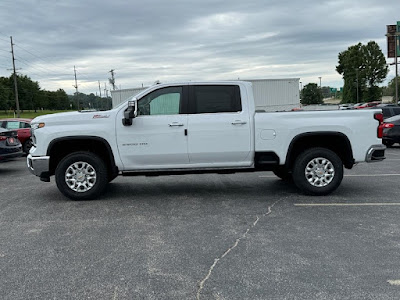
pixel 202 127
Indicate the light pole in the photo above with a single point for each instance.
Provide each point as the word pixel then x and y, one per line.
pixel 357 84
pixel 301 89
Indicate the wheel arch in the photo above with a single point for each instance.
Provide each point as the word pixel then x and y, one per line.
pixel 334 141
pixel 61 147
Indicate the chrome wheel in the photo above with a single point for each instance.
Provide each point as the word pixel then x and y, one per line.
pixel 319 172
pixel 80 176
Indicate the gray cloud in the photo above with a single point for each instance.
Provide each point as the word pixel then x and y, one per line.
pixel 185 40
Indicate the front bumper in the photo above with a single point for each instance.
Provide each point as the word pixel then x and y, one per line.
pixel 38 165
pixel 376 153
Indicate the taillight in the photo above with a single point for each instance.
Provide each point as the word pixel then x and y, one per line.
pixel 3 138
pixel 380 131
pixel 379 117
pixel 388 125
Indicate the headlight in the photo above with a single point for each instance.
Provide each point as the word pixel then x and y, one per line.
pixel 37 125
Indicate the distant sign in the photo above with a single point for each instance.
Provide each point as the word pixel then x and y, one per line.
pixel 391 40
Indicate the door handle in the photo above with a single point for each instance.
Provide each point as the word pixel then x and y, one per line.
pixel 239 122
pixel 175 124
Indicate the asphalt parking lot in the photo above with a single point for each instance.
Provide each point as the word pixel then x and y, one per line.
pixel 240 236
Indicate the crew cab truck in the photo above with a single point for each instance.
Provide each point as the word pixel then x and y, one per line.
pixel 202 127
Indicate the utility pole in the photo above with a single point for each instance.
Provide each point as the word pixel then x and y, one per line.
pixel 395 61
pixel 112 79
pixel 99 89
pixel 76 88
pixel 15 79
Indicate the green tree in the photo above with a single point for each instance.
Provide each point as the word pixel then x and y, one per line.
pixel 4 94
pixel 376 70
pixel 352 69
pixel 7 101
pixel 363 67
pixel 27 91
pixel 311 94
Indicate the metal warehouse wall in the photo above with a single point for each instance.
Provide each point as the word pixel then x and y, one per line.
pixel 276 94
pixel 119 96
pixel 269 94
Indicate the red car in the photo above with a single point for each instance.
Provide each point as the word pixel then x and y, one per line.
pixel 368 105
pixel 23 127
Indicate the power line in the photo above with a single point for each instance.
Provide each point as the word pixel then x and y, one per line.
pixel 40 58
pixel 32 65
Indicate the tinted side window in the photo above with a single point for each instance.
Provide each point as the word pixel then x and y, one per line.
pixel 25 125
pixel 396 111
pixel 161 102
pixel 215 99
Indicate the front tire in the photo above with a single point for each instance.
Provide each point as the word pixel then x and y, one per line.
pixel 318 171
pixel 81 176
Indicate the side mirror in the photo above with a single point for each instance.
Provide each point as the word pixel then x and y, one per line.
pixel 130 113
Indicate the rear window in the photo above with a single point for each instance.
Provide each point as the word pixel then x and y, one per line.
pixel 216 99
pixel 12 125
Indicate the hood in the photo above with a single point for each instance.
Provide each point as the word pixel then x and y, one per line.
pixel 68 117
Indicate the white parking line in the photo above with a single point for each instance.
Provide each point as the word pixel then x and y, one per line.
pixel 369 175
pixel 349 204
pixel 394 282
pixel 348 175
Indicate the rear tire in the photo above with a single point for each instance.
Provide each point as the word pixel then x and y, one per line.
pixel 318 171
pixel 388 143
pixel 81 176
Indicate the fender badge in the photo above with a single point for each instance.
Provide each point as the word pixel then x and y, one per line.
pixel 101 116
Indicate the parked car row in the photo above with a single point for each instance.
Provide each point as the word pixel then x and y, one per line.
pixel 388 109
pixel 360 105
pixel 391 131
pixel 22 127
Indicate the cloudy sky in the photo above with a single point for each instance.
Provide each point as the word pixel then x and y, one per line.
pixel 182 40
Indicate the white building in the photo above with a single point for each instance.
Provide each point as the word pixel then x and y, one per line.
pixel 269 94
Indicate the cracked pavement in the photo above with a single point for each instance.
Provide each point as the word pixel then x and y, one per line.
pixel 236 236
